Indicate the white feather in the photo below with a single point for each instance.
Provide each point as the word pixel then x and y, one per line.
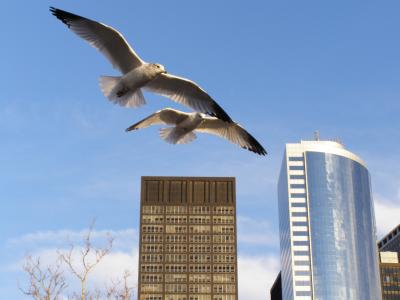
pixel 110 86
pixel 176 135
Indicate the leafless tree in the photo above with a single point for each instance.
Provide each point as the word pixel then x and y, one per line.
pixel 116 292
pixel 45 283
pixel 48 283
pixel 90 256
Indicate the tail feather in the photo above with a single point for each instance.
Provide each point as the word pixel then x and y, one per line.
pixel 110 87
pixel 174 135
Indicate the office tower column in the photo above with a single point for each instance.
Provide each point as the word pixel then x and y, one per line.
pixel 327 226
pixel 188 239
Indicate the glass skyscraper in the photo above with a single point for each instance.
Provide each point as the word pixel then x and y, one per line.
pixel 327 224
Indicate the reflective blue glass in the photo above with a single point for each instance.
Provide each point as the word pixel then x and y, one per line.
pixel 300 243
pixel 299 223
pixel 284 234
pixel 296 158
pixel 342 231
pixel 303 293
pixel 299 214
pixel 301 253
pixel 296 168
pixel 297 186
pixel 298 204
pixel 298 195
pixel 302 273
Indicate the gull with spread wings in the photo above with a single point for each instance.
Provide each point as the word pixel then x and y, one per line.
pixel 185 124
pixel 126 90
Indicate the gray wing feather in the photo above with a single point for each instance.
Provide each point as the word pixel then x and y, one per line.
pixel 233 132
pixel 187 93
pixel 102 37
pixel 166 116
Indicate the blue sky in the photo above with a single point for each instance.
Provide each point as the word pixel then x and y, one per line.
pixel 282 69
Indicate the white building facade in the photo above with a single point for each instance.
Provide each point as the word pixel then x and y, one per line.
pixel 327 224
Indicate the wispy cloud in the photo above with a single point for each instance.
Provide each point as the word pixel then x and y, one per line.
pixel 125 238
pixel 256 273
pixel 387 214
pixel 256 276
pixel 47 245
pixel 110 269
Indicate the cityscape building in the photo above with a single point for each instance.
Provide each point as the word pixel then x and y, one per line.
pixel 391 241
pixel 276 289
pixel 188 239
pixel 326 224
pixel 389 266
pixel 390 275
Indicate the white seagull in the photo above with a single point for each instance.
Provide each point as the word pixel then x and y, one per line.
pixel 136 73
pixel 185 124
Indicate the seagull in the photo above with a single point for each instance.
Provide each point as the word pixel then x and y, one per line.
pixel 185 124
pixel 126 90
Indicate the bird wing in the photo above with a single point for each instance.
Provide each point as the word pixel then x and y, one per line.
pixel 233 132
pixel 102 37
pixel 167 116
pixel 187 93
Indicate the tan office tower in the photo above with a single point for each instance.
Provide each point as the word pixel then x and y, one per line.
pixel 188 239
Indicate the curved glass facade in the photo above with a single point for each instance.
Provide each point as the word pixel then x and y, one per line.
pixel 327 225
pixel 342 230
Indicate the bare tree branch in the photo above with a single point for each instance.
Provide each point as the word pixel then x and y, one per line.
pixel 48 283
pixel 90 256
pixel 44 283
pixel 115 292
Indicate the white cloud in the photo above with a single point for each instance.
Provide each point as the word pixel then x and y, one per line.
pixel 387 214
pixel 110 269
pixel 122 238
pixel 47 245
pixel 256 273
pixel 256 276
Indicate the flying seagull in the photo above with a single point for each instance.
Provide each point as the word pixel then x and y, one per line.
pixel 185 124
pixel 126 90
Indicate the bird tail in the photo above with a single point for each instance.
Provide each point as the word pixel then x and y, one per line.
pixel 174 135
pixel 110 87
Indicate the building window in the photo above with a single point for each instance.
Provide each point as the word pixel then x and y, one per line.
pixel 296 168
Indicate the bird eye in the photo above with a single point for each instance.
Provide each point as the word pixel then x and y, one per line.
pixel 158 66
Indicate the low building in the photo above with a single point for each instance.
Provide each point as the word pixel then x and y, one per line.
pixel 276 289
pixel 390 275
pixel 391 241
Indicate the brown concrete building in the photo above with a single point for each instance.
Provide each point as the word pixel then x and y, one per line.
pixel 389 264
pixel 188 239
pixel 390 275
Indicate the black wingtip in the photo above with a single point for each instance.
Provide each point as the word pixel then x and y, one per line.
pixel 260 151
pixel 222 115
pixel 63 16
pixel 130 128
pixel 255 146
